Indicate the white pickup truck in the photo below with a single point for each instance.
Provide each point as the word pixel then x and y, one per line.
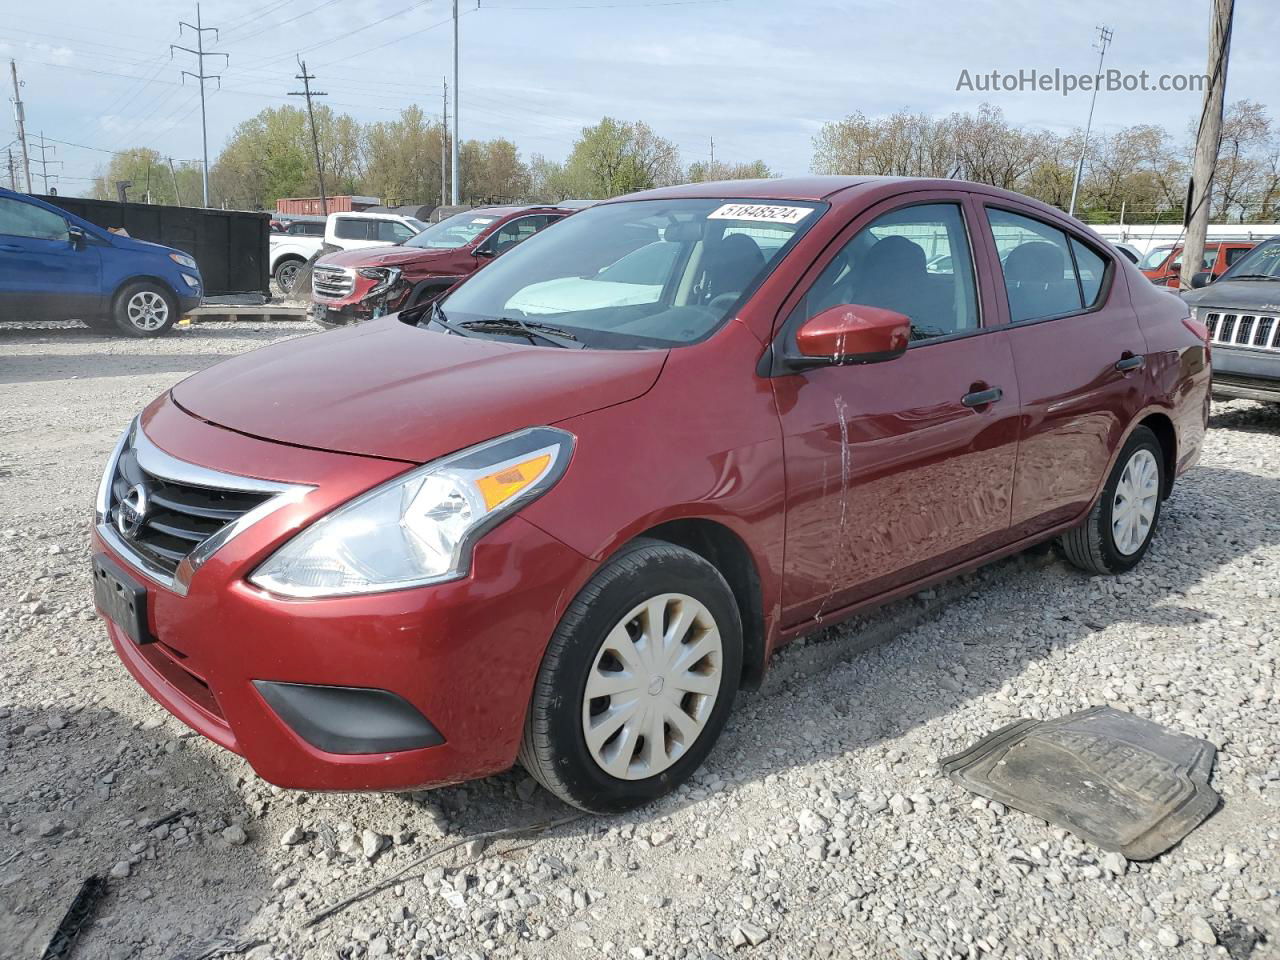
pixel 342 231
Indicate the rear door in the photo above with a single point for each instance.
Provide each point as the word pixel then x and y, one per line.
pixel 1080 358
pixel 42 273
pixel 900 469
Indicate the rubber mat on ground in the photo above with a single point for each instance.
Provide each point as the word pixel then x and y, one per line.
pixel 1114 779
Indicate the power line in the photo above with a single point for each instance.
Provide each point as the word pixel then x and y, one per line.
pixel 199 53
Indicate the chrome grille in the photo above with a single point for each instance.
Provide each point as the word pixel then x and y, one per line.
pixel 179 517
pixel 1242 329
pixel 165 517
pixel 332 283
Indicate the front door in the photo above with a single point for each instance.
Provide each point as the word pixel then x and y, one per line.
pixel 1080 357
pixel 42 273
pixel 900 469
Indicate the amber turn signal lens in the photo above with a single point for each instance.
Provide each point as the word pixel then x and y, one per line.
pixel 498 488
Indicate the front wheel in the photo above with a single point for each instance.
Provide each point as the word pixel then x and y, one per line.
pixel 286 273
pixel 144 309
pixel 1118 531
pixel 637 682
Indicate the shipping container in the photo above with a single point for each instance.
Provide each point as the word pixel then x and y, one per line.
pixel 314 207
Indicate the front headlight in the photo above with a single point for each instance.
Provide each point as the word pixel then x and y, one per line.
pixel 387 278
pixel 182 260
pixel 418 528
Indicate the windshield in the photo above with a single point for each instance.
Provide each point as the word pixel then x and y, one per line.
pixel 643 273
pixel 416 223
pixel 1262 261
pixel 453 232
pixel 1154 258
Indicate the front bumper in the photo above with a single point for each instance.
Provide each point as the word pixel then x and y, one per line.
pixel 1247 374
pixel 462 656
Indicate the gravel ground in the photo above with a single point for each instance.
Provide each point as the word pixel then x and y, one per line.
pixel 820 826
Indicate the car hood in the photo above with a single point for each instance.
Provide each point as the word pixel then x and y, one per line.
pixel 388 256
pixel 1263 295
pixel 141 246
pixel 386 389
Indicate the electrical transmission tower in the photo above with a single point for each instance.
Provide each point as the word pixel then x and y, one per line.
pixel 44 161
pixel 199 53
pixel 307 92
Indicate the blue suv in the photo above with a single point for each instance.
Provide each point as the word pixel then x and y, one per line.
pixel 56 266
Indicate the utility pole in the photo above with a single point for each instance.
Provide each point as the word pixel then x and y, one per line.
pixel 13 171
pixel 307 92
pixel 44 149
pixel 199 53
pixel 20 117
pixel 177 194
pixel 1104 40
pixel 444 141
pixel 457 121
pixel 1208 141
pixel 713 152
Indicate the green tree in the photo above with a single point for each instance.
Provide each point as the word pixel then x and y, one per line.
pixel 402 158
pixel 152 178
pixel 701 172
pixel 616 157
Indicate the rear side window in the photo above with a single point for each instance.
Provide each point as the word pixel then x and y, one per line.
pixel 1038 262
pixel 19 219
pixel 348 228
pixel 1235 253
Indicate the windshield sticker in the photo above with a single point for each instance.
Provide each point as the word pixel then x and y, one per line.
pixel 763 212
pixel 483 219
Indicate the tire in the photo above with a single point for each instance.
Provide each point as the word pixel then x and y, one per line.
pixel 1097 546
pixel 682 588
pixel 286 273
pixel 144 309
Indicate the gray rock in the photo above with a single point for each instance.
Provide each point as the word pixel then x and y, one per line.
pixel 373 843
pixel 1167 938
pixel 235 835
pixel 293 836
pixel 1201 932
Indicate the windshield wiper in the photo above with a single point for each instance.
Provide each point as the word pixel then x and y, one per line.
pixel 1251 276
pixel 437 316
pixel 534 331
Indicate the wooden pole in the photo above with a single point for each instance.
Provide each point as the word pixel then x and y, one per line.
pixel 1208 140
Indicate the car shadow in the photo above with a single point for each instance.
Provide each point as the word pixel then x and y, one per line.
pixel 883 675
pixel 1248 416
pixel 79 790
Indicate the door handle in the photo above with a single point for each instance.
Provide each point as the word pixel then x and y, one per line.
pixel 1130 362
pixel 980 398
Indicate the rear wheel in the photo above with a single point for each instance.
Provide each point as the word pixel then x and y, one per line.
pixel 1118 531
pixel 637 682
pixel 144 309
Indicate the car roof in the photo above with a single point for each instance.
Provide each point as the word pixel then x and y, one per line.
pixel 776 188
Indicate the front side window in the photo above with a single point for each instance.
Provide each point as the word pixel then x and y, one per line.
pixel 522 228
pixel 915 261
pixel 643 273
pixel 349 228
pixel 1040 276
pixel 1235 253
pixel 19 219
pixel 392 231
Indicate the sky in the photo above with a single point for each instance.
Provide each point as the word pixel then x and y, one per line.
pixel 760 77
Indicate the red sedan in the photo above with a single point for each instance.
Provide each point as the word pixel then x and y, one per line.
pixel 562 514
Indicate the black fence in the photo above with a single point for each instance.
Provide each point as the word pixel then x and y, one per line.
pixel 231 246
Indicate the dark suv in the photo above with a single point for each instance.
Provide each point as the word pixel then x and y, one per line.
pixel 1242 311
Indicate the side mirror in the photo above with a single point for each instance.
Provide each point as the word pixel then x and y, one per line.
pixel 76 236
pixel 851 333
pixel 484 252
pixel 1175 267
pixel 1202 279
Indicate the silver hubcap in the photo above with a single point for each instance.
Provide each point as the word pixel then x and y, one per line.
pixel 652 687
pixel 147 310
pixel 288 274
pixel 1133 510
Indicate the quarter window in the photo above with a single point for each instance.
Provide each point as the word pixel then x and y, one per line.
pixel 1040 275
pixel 19 219
pixel 914 260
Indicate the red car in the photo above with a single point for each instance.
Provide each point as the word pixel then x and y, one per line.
pixel 354 285
pixel 1163 265
pixel 562 513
